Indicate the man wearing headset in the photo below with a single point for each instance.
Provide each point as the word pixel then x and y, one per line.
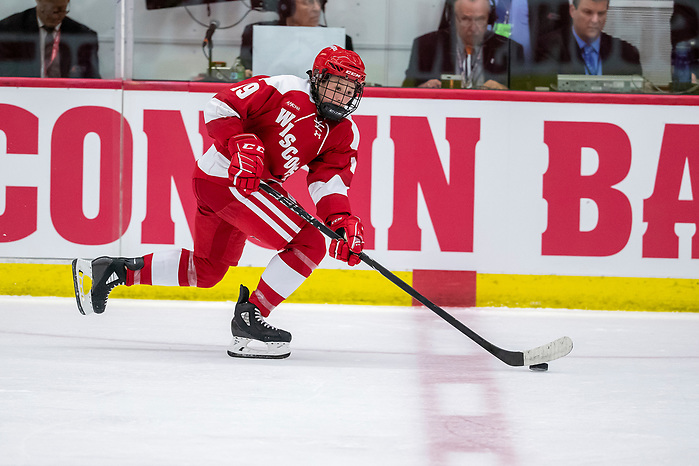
pixel 264 129
pixel 468 48
pixel 300 13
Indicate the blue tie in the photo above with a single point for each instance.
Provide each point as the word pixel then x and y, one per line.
pixel 591 60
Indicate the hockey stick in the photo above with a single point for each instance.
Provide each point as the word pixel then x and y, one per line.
pixel 553 350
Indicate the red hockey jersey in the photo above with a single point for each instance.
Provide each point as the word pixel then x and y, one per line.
pixel 281 112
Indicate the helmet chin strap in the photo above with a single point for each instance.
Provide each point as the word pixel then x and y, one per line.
pixel 332 111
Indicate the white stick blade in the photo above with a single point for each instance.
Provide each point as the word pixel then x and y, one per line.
pixel 549 352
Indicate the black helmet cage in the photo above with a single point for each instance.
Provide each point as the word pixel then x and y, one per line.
pixel 332 110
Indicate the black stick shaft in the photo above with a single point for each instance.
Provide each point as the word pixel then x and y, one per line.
pixel 513 358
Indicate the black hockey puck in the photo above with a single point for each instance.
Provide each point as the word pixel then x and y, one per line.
pixel 543 367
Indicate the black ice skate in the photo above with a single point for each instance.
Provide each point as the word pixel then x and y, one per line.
pixel 248 326
pixel 104 274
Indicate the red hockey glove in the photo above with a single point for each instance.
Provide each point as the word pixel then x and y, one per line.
pixel 246 165
pixel 351 229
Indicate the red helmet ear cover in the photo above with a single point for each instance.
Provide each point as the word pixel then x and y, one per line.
pixel 336 61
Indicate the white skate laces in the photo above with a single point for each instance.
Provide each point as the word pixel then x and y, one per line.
pixel 261 320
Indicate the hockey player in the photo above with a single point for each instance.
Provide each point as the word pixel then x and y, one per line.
pixel 264 129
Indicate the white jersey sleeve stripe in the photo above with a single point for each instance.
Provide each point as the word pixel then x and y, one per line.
pixel 320 189
pixel 216 109
pixel 213 163
pixel 288 83
pixel 355 133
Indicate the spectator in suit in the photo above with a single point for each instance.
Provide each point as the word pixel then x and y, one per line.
pixel 467 48
pixel 43 42
pixel 584 48
pixel 302 13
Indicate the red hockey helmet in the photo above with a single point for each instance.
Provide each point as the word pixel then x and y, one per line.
pixel 340 62
pixel 346 64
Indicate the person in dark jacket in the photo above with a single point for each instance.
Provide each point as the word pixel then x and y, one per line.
pixel 44 42
pixel 584 48
pixel 483 58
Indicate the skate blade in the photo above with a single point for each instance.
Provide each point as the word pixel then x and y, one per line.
pixel 240 348
pixel 82 279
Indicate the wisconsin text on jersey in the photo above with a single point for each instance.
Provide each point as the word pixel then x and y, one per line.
pixel 285 119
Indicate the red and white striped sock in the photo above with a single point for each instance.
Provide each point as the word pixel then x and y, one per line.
pixel 283 275
pixel 167 268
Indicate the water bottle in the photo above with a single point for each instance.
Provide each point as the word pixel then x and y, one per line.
pixel 681 73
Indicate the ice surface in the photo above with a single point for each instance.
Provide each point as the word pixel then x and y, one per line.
pixel 149 383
